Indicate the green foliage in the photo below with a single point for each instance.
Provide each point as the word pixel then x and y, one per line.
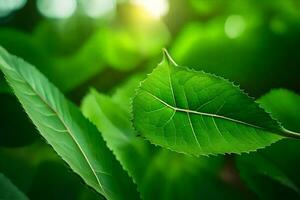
pixel 35 169
pixel 271 172
pixel 67 72
pixel 198 113
pixel 259 48
pixel 110 46
pixel 67 131
pixel 8 191
pixel 180 109
pixel 135 145
pixel 283 106
pixel 159 173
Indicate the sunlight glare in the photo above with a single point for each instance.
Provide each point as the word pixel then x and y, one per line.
pixel 156 8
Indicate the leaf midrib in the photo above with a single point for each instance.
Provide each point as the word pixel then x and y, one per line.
pixel 61 120
pixel 203 113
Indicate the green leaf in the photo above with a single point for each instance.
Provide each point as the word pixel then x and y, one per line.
pixel 8 191
pixel 75 139
pixel 159 173
pixel 199 113
pixel 272 172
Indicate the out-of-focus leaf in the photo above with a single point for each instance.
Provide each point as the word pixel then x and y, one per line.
pixel 125 46
pixel 38 172
pixel 75 50
pixel 75 139
pixel 123 96
pixel 252 55
pixel 159 173
pixel 198 113
pixel 88 194
pixel 19 164
pixel 71 71
pixel 8 191
pixel 54 180
pixel 67 72
pixel 283 106
pixel 118 48
pixel 25 46
pixel 271 172
pixel 63 38
pixel 208 7
pixel 4 88
pixel 23 133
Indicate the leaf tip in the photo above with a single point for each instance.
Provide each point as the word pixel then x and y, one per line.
pixel 168 58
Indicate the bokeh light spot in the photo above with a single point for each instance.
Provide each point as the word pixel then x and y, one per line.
pixel 98 8
pixel 156 8
pixel 58 9
pixel 234 26
pixel 8 6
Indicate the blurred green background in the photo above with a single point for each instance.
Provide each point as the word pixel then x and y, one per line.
pixel 79 44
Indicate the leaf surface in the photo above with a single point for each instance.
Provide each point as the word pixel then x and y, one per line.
pixel 198 113
pixel 72 136
pixel 272 172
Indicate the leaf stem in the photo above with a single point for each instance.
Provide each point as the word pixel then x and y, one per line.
pixel 290 134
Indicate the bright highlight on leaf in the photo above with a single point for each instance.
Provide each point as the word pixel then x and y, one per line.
pixel 198 113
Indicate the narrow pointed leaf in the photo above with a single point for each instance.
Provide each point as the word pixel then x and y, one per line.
pixel 72 136
pixel 198 113
pixel 8 191
pixel 272 172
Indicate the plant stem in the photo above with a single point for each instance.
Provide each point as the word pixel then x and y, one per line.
pixel 290 134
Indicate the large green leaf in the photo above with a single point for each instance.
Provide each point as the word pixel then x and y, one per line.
pixel 198 113
pixel 159 173
pixel 272 172
pixel 75 139
pixel 8 191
